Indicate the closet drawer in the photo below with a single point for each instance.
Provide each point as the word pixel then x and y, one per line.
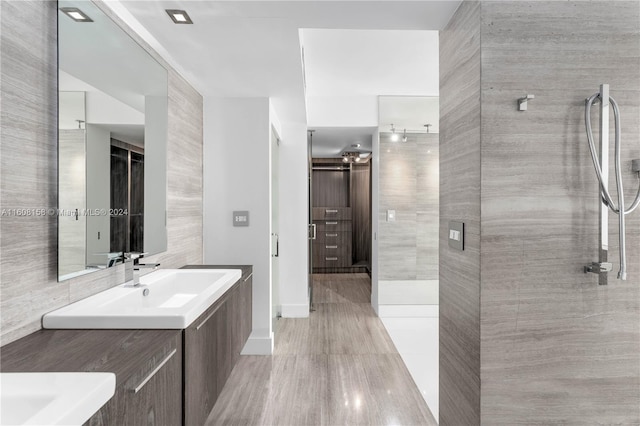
pixel 328 225
pixel 323 259
pixel 329 213
pixel 332 247
pixel 333 238
pixel 332 254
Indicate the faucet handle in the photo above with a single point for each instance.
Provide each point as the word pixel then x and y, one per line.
pixel 134 255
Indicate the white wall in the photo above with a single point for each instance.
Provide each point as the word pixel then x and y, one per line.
pixel 294 191
pixel 237 177
pixel 155 174
pixel 342 111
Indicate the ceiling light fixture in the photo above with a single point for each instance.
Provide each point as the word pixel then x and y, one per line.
pixel 394 135
pixel 76 14
pixel 351 157
pixel 179 16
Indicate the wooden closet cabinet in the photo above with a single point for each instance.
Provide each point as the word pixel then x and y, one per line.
pixel 332 246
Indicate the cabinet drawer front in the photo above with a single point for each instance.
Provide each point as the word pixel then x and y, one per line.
pixel 331 226
pixel 152 395
pixel 329 255
pixel 332 239
pixel 329 213
pixel 340 239
pixel 155 371
pixel 328 261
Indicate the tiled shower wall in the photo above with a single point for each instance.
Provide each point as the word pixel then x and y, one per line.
pixel 460 200
pixel 408 179
pixel 28 245
pixel 555 347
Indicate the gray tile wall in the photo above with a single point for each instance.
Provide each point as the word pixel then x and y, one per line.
pixel 460 200
pixel 427 205
pixel 408 179
pixel 554 343
pixel 28 245
pixel 556 348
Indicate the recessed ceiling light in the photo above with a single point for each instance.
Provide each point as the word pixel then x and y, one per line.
pixel 179 16
pixel 75 14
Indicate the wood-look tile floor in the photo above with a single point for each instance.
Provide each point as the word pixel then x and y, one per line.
pixel 337 367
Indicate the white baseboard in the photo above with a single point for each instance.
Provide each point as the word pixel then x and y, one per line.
pixel 295 311
pixel 408 311
pixel 257 345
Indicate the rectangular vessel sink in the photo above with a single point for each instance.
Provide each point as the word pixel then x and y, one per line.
pixel 53 398
pixel 166 299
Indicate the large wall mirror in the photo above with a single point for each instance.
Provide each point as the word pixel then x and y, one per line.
pixel 112 150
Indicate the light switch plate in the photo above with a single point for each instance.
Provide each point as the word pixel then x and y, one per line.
pixel 391 215
pixel 241 218
pixel 456 235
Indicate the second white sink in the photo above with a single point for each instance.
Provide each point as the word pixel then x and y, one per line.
pixel 53 398
pixel 175 298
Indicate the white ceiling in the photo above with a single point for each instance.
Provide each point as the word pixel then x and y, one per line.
pixel 252 48
pixel 332 141
pixel 371 62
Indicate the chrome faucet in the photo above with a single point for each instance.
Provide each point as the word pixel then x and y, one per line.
pixel 132 268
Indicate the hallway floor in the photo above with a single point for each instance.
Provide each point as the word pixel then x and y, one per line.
pixel 337 367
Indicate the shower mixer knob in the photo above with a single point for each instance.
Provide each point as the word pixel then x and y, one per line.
pixel 598 267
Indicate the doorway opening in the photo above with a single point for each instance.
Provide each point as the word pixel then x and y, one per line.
pixel 340 203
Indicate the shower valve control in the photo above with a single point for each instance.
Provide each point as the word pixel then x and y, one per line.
pixel 598 267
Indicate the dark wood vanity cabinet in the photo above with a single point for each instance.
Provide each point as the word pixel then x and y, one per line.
pixel 163 377
pixel 212 347
pixel 152 395
pixel 147 365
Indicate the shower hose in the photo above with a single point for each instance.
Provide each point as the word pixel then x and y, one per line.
pixel 618 208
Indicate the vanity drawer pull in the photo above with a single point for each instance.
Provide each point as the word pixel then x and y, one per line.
pixel 204 321
pixel 155 370
pixel 331 247
pixel 331 235
pixel 331 223
pixel 330 258
pixel 331 211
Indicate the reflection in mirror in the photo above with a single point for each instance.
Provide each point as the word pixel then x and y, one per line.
pixel 112 144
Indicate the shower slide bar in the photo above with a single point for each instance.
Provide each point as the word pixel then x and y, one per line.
pixel 601 165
